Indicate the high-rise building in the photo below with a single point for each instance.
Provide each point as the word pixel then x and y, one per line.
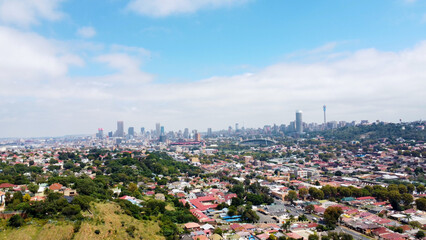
pixel 299 122
pixel 142 130
pixel 237 127
pixel 186 133
pixel 131 132
pixel 120 129
pixel 110 134
pixel 197 137
pixel 100 134
pixel 209 132
pixel 157 129
pixel 162 131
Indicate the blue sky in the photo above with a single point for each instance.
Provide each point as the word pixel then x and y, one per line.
pixel 207 63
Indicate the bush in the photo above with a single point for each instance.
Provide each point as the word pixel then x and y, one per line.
pixel 71 210
pixel 131 231
pixel 77 226
pixel 15 221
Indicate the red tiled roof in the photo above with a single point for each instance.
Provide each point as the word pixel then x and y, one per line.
pixel 55 186
pixel 366 198
pixel 7 185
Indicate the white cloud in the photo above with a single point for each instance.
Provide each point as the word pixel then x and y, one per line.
pixel 86 32
pixel 39 97
pixel 162 8
pixel 28 56
pixel 29 12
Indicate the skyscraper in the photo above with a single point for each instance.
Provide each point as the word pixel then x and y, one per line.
pixel 299 122
pixel 100 134
pixel 209 132
pixel 120 129
pixel 237 127
pixel 131 132
pixel 197 137
pixel 186 133
pixel 157 129
pixel 142 130
pixel 162 131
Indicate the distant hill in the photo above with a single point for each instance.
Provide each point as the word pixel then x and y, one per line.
pixel 105 217
pixel 407 131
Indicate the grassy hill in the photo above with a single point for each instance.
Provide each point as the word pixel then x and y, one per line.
pixel 105 217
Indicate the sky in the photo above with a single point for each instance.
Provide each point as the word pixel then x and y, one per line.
pixel 71 67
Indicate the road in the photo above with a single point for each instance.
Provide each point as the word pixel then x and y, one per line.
pixel 354 234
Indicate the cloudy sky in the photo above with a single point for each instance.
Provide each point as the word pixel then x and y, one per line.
pixel 69 67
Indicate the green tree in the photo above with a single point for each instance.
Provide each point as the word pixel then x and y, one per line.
pixel 407 199
pixel 310 208
pixel 331 216
pixel 313 237
pixel 411 188
pixel 303 192
pixel 291 196
pixel 132 187
pixel 402 188
pixel 218 231
pixel 420 234
pixel 420 188
pixel 421 204
pixel 394 199
pixel 33 188
pixel 15 221
pixel 316 193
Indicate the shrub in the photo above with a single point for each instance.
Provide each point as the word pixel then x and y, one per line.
pixel 15 221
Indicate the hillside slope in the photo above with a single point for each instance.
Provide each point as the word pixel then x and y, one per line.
pixel 105 217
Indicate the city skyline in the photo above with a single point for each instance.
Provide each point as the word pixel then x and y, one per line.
pixel 73 67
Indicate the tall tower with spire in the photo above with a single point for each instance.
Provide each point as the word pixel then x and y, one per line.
pixel 325 116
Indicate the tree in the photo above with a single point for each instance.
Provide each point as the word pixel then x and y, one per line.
pixel 310 208
pixel 133 187
pixel 329 191
pixel 316 193
pixel 286 225
pixel 302 218
pixel 15 221
pixel 71 210
pixel 291 196
pixel 26 198
pixel 420 188
pixel 346 236
pixel 17 197
pixel 394 199
pixel 420 234
pixel 33 188
pixel 407 199
pixel 402 188
pixel 421 204
pixel 250 216
pixel 331 215
pixel 218 231
pixel 410 188
pixel 303 192
pixel 313 237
